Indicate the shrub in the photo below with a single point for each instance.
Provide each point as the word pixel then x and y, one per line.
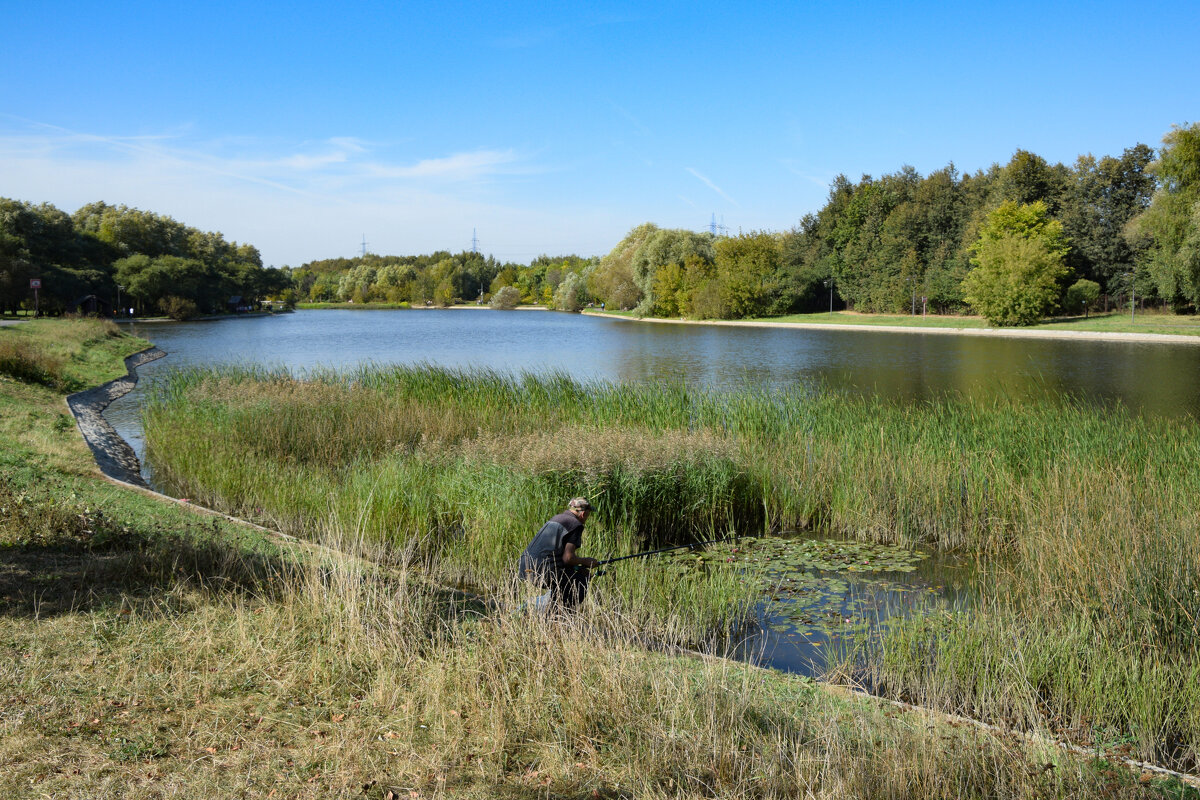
pixel 506 298
pixel 178 308
pixel 1081 294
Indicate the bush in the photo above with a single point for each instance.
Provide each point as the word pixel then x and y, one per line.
pixel 179 308
pixel 506 298
pixel 1081 294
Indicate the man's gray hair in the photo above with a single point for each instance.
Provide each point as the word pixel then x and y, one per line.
pixel 579 504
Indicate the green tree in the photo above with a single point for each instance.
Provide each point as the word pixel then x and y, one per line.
pixel 1018 265
pixel 662 247
pixel 613 280
pixel 1166 232
pixel 506 298
pixel 571 294
pixel 1028 178
pixel 1081 295
pixel 748 267
pixel 1101 197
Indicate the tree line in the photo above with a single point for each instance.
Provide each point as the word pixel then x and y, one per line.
pixel 106 258
pixel 1013 243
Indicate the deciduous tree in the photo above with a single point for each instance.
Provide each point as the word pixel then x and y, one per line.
pixel 1167 230
pixel 1018 265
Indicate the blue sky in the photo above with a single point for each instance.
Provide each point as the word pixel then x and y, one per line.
pixel 555 128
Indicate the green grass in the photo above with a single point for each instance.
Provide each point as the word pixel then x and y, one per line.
pixel 352 306
pixel 67 363
pixel 1083 518
pixel 1147 322
pixel 151 651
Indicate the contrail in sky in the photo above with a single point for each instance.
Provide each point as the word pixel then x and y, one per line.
pixel 713 186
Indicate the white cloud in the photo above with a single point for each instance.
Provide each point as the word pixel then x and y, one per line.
pixel 460 166
pixel 302 200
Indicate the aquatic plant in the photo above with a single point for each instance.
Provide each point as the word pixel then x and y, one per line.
pixel 1084 516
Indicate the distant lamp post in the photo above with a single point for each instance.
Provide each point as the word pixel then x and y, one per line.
pixel 1132 298
pixel 829 285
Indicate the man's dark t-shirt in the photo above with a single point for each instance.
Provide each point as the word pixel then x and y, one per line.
pixel 544 553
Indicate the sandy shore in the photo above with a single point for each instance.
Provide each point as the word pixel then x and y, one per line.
pixel 1001 333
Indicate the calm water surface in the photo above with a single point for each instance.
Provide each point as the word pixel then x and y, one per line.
pixel 1152 379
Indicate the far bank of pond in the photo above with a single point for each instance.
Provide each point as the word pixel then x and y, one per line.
pixel 1078 330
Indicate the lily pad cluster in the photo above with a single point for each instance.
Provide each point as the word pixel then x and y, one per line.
pixel 817 591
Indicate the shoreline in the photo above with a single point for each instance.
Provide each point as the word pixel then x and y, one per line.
pixel 1002 333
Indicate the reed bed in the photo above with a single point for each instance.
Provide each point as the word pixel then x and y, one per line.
pixel 1085 516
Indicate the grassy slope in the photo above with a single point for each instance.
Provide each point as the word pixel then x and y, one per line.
pixel 152 652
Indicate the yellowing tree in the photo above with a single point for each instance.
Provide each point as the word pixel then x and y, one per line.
pixel 1019 265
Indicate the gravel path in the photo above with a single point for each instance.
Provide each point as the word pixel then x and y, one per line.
pixel 113 454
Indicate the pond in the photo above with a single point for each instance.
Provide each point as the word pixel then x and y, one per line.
pixel 812 602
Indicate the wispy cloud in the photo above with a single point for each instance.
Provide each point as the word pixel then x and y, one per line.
pixel 791 167
pixel 637 123
pixel 711 185
pixel 345 161
pixel 292 199
pixel 459 166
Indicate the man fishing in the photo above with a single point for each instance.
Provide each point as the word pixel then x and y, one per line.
pixel 552 561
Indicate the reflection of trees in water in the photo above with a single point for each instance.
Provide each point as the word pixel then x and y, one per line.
pixel 1158 379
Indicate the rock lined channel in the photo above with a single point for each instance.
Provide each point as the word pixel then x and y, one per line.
pixel 113 454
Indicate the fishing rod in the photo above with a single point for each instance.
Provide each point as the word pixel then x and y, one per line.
pixel 691 546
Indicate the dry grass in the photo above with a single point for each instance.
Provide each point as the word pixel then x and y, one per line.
pixel 342 681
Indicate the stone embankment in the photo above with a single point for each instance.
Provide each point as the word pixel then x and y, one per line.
pixel 113 454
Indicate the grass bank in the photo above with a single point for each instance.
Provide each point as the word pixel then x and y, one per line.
pixel 1144 322
pixel 1083 518
pixel 354 306
pixel 153 652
